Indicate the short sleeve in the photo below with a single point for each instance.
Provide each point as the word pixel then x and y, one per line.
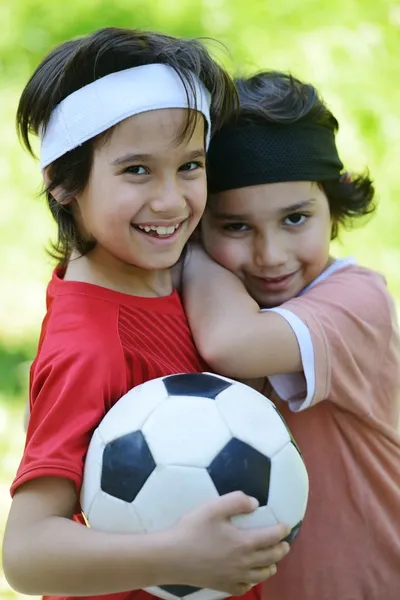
pixel 345 327
pixel 74 380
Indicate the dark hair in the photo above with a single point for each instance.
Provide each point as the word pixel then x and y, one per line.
pixel 79 62
pixel 281 98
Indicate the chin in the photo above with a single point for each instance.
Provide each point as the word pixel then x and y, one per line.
pixel 162 265
pixel 268 303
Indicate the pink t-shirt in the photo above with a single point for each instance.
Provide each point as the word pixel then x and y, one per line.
pixel 343 411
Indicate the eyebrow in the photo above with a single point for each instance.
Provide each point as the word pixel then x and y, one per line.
pixel 283 211
pixel 143 158
pixel 298 206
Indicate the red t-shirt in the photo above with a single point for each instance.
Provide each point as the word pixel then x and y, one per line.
pixel 95 345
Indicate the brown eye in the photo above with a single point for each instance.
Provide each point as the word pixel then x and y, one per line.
pixel 237 227
pixel 191 166
pixel 136 170
pixel 295 219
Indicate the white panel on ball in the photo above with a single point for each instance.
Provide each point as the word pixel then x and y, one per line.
pixel 92 472
pixel 252 418
pixel 114 515
pixel 288 489
pixel 171 492
pixel 262 517
pixel 186 431
pixel 132 410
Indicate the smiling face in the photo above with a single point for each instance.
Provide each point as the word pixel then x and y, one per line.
pixel 275 237
pixel 146 192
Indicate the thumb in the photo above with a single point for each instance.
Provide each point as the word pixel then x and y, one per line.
pixel 233 504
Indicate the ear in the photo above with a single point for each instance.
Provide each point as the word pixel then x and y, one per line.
pixel 59 193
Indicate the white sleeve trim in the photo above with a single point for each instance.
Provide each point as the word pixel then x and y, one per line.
pixel 290 385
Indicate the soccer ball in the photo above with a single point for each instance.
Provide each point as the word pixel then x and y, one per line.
pixel 173 443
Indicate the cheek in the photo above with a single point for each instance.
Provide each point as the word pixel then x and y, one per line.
pixel 196 195
pixel 118 204
pixel 223 251
pixel 313 247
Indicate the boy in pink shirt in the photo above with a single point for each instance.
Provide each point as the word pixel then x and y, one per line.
pixel 326 338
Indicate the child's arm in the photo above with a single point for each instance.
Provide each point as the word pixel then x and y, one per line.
pixel 46 553
pixel 231 333
pixel 334 341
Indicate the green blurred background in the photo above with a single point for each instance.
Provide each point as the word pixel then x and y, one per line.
pixel 348 48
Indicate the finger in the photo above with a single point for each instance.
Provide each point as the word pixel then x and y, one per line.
pixel 260 575
pixel 269 536
pixel 265 558
pixel 233 504
pixel 242 588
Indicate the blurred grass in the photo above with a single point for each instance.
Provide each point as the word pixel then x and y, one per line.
pixel 348 48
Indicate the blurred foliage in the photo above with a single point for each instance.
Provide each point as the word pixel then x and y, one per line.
pixel 348 48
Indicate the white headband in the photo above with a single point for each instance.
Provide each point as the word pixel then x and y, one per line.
pixel 109 100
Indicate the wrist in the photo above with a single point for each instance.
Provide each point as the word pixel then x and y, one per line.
pixel 166 554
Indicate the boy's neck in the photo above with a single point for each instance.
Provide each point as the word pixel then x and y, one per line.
pixel 123 278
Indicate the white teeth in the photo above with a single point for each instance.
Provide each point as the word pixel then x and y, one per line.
pixel 160 230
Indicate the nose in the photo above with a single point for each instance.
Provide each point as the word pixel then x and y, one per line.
pixel 169 199
pixel 270 251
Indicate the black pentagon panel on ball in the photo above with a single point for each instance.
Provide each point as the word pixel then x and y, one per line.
pixel 292 535
pixel 238 466
pixel 127 464
pixel 195 384
pixel 180 590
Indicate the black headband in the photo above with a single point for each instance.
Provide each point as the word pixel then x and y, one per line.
pixel 256 153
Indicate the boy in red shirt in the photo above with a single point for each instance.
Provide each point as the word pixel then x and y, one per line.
pixel 125 120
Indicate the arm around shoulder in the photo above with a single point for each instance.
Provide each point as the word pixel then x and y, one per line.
pixel 231 333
